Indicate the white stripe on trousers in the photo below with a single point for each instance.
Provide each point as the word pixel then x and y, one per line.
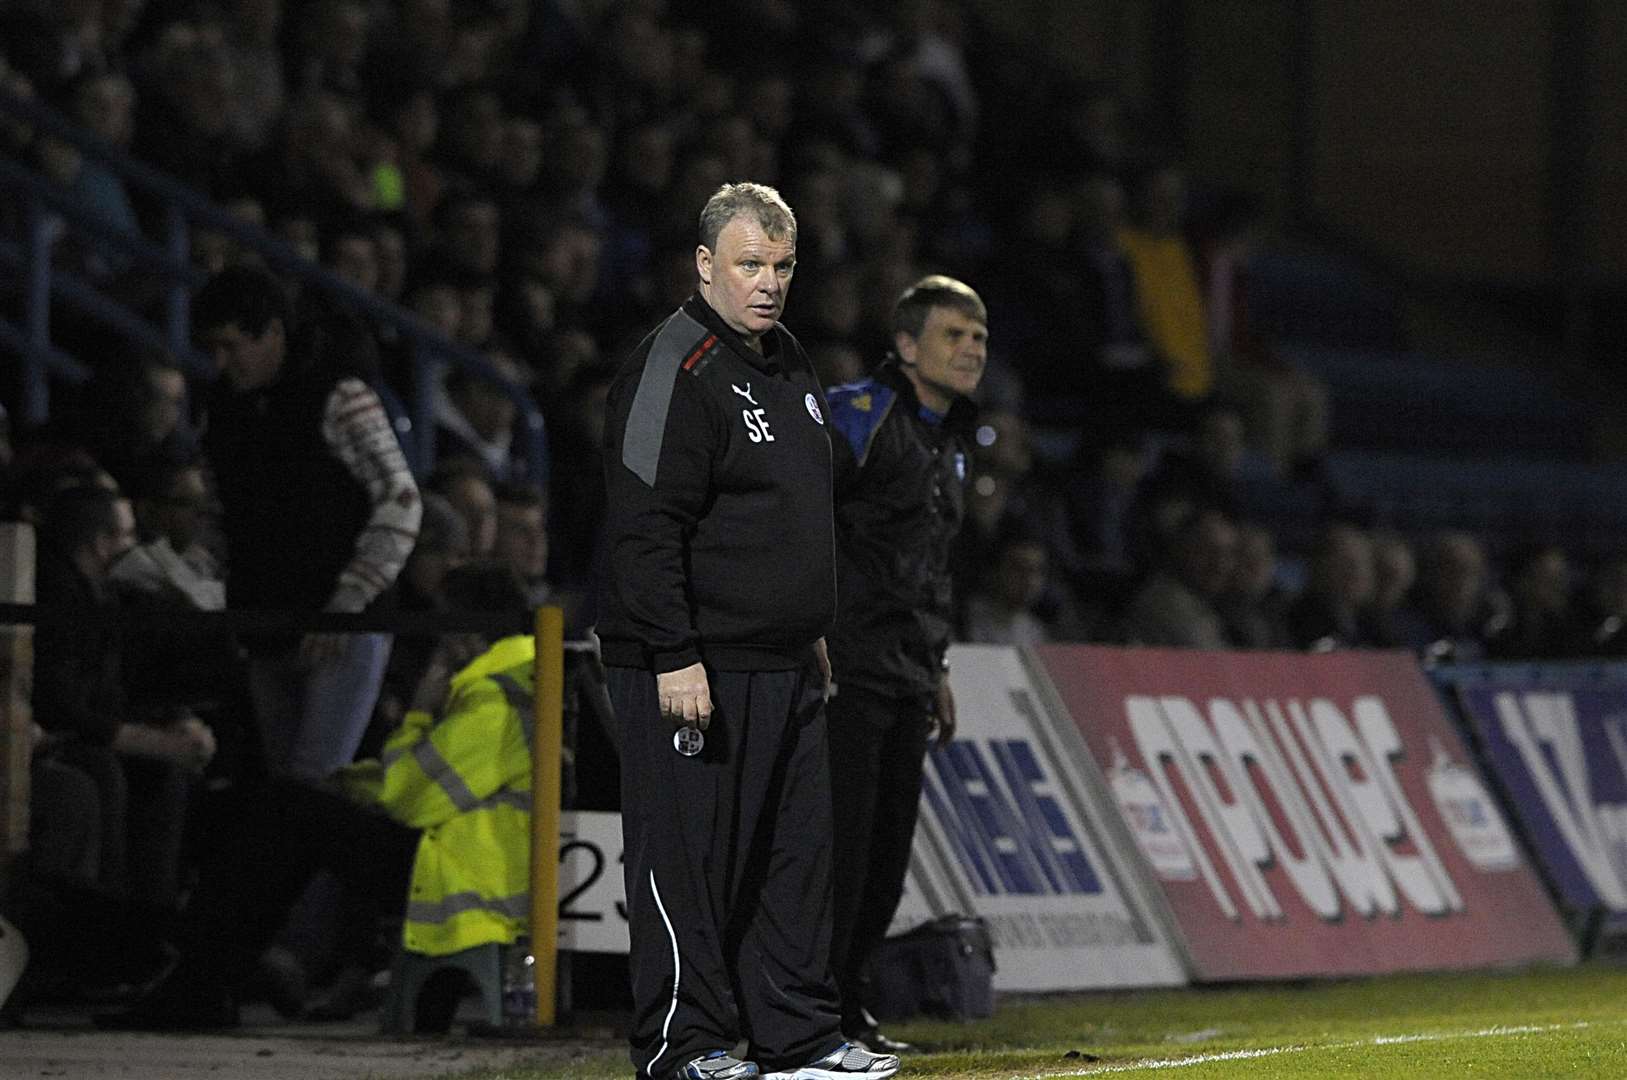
pixel 677 969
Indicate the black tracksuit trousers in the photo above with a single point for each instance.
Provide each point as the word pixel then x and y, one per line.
pixel 728 862
pixel 877 749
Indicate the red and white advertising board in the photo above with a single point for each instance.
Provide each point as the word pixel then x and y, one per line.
pixel 1306 815
pixel 1016 828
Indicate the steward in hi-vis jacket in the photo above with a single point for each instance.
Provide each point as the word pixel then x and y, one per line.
pixel 463 776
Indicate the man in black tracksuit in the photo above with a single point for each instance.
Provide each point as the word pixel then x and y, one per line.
pixel 903 439
pixel 722 585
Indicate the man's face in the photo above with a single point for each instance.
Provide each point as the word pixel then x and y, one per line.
pixel 181 515
pixel 950 354
pixel 247 362
pixel 121 538
pixel 745 280
pixel 522 539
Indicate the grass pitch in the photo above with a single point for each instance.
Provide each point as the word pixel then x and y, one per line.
pixel 1542 1023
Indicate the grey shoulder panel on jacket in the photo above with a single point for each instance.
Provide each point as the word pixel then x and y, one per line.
pixel 647 419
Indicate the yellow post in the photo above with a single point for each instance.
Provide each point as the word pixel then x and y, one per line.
pixel 545 796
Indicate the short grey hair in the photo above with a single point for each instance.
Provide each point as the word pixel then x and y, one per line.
pixel 762 202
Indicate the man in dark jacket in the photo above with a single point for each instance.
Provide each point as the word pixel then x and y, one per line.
pixel 319 511
pixel 901 472
pixel 722 585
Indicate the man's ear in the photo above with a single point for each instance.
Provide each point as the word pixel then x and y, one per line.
pixel 904 344
pixel 703 263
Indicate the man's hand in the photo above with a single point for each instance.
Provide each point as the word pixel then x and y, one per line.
pixel 685 696
pixel 319 650
pixel 197 744
pixel 943 713
pixel 822 654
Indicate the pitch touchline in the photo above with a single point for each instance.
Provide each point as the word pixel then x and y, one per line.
pixel 1296 1048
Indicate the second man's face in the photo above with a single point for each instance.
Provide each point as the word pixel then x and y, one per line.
pixel 746 278
pixel 951 352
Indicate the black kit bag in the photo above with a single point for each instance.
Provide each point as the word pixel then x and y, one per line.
pixel 943 968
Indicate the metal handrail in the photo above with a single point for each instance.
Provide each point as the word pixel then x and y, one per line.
pixel 186 208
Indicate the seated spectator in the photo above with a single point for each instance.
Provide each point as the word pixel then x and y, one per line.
pixel 1201 475
pixel 522 539
pixel 170 561
pixel 1254 607
pixel 1453 606
pixel 1538 583
pixel 389 829
pixel 475 421
pixel 140 769
pixel 1003 610
pixel 1328 614
pixel 463 483
pixel 1177 605
pixel 1395 571
pixel 141 416
pixel 1286 408
pixel 1167 282
pixel 1599 626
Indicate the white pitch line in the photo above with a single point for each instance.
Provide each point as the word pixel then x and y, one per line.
pixel 1298 1048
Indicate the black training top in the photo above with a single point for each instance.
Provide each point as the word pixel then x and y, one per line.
pixel 718 473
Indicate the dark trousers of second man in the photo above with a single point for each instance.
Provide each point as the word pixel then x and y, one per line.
pixel 727 863
pixel 877 749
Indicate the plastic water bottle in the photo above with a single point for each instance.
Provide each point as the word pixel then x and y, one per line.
pixel 519 984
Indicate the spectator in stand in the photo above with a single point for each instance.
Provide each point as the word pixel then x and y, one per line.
pixel 1120 371
pixel 350 251
pixel 1328 614
pixel 463 483
pixel 1285 407
pixel 318 170
pixel 140 769
pixel 471 139
pixel 319 513
pixel 469 234
pixel 1255 607
pixel 1600 625
pixel 170 560
pixel 1395 571
pixel 475 420
pixel 1452 601
pixel 141 416
pixel 1003 609
pixel 183 126
pixel 1167 283
pixel 1201 475
pixel 260 91
pixel 522 539
pixel 1177 606
pixel 1538 582
pixel 103 103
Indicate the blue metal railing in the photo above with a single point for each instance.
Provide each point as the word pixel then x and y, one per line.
pixel 167 261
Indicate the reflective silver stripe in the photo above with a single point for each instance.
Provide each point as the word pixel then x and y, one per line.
pixel 443 776
pixel 647 419
pixel 519 800
pixel 517 906
pixel 521 700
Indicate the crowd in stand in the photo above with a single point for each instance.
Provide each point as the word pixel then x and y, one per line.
pixel 525 176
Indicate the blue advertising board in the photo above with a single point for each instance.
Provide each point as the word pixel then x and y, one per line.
pixel 1558 748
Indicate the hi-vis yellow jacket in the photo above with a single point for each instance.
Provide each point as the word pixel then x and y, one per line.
pixel 464 778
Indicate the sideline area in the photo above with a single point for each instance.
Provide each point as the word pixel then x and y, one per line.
pixel 65 1044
